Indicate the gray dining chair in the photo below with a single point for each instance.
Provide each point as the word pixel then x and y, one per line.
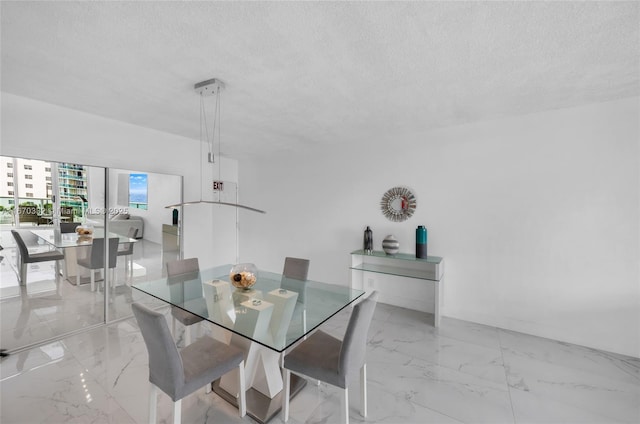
pixel 179 373
pixel 177 272
pixel 325 358
pixel 294 278
pixel 68 227
pixel 95 260
pixel 126 249
pixel 25 239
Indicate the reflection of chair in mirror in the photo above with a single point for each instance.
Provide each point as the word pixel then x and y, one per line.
pixel 126 249
pixel 66 214
pixel 26 239
pixel 68 227
pixel 294 278
pixel 178 272
pixel 28 214
pixel 179 373
pixel 334 361
pixel 95 260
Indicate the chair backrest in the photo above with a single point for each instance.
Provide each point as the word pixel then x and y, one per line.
pixel 182 266
pixel 24 239
pixel 133 233
pixel 66 212
pixel 294 276
pixel 97 252
pixel 28 213
pixel 127 248
pixel 165 363
pixel 68 227
pixel 22 247
pixel 296 268
pixel 354 343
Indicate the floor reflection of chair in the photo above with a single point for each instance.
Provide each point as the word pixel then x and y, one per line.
pixel 95 260
pixel 180 373
pixel 294 278
pixel 126 249
pixel 26 239
pixel 333 361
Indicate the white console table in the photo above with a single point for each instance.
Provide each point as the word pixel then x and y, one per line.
pixel 401 279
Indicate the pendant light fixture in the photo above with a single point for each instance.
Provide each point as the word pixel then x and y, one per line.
pixel 208 88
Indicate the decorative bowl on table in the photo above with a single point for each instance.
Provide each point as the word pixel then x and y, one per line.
pixel 85 232
pixel 243 276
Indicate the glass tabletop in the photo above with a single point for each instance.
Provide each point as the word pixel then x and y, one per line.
pixel 61 240
pixel 267 313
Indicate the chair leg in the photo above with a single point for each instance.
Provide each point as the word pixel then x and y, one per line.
pixel 345 407
pixel 78 276
pixel 23 274
pixel 153 402
pixel 363 390
pixel 177 411
pixel 93 280
pixel 243 390
pixel 304 322
pixel 286 392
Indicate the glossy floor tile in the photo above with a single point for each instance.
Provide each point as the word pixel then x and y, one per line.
pixel 47 308
pixel 459 373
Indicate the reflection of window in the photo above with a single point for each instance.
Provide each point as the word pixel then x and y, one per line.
pixel 29 194
pixel 28 177
pixel 10 193
pixel 28 167
pixel 138 195
pixel 9 165
pixel 10 183
pixel 47 169
pixel 47 178
pixel 10 174
pixel 28 185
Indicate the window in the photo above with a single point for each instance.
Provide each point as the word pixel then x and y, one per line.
pixel 10 183
pixel 138 197
pixel 10 174
pixel 47 169
pixel 28 177
pixel 9 164
pixel 10 193
pixel 47 178
pixel 29 194
pixel 28 167
pixel 28 185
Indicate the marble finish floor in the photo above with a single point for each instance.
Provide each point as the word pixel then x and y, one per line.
pixel 459 373
pixel 47 308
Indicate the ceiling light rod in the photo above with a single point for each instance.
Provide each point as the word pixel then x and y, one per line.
pixel 211 87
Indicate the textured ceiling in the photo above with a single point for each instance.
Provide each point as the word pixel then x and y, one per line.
pixel 308 73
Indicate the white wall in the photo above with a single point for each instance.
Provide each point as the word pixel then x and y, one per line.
pixel 537 217
pixel 37 130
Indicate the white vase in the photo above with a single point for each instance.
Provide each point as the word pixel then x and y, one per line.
pixel 390 245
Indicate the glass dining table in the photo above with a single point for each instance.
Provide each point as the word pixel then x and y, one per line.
pixel 66 241
pixel 265 321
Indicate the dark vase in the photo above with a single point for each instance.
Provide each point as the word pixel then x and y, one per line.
pixel 175 217
pixel 368 240
pixel 421 242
